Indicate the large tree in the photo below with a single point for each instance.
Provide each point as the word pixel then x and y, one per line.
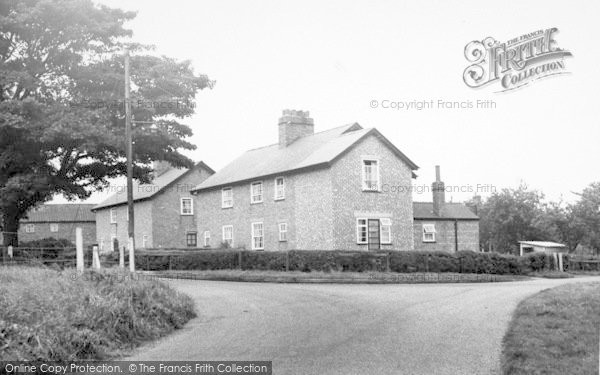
pixel 61 106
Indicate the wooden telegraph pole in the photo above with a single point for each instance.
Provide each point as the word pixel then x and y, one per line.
pixel 130 224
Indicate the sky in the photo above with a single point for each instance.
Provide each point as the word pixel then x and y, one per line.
pixel 336 58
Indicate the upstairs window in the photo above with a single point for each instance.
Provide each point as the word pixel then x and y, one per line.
pixel 256 192
pixel 54 227
pixel 227 198
pixel 370 175
pixel 187 206
pixel 29 228
pixel 279 188
pixel 113 216
pixel 429 233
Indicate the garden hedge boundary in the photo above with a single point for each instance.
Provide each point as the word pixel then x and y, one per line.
pixel 338 260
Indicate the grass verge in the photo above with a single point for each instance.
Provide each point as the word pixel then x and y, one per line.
pixel 49 315
pixel 334 277
pixel 555 332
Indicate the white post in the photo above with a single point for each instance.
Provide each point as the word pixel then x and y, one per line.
pixel 121 257
pixel 131 256
pixel 79 248
pixel 560 262
pixel 10 252
pixel 95 258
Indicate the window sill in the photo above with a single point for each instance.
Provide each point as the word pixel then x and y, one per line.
pixel 279 199
pixel 365 190
pixel 257 202
pixel 186 214
pixel 226 207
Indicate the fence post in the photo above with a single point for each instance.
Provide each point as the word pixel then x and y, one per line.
pixel 79 249
pixel 95 258
pixel 122 257
pixel 10 252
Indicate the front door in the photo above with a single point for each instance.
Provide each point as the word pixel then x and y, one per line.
pixel 374 241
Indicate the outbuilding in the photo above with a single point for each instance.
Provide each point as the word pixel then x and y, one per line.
pixel 526 247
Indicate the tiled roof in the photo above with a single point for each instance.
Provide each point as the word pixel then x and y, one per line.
pixel 146 191
pixel 542 243
pixel 318 149
pixel 55 213
pixel 424 210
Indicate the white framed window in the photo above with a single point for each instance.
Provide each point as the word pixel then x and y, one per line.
pixel 207 238
pixel 113 216
pixel 279 188
pixel 385 230
pixel 429 232
pixel 256 192
pixel 145 241
pixel 258 236
pixel 191 239
pixel 29 228
pixel 370 174
pixel 226 197
pixel 54 227
pixel 228 234
pixel 283 232
pixel 361 231
pixel 187 206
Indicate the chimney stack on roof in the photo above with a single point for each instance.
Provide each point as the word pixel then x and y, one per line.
pixel 293 125
pixel 438 190
pixel 160 167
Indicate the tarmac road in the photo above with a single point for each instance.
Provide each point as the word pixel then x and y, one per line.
pixel 349 329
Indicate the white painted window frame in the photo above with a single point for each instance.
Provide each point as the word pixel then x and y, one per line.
pixel 358 226
pixel 431 231
pixel 283 230
pixel 262 192
pixel 181 200
pixel 223 204
pixel 275 191
pixel 206 238
pixel 53 227
pixel 223 234
pixel 29 228
pixel 113 216
pixel 363 172
pixel 255 236
pixel 385 222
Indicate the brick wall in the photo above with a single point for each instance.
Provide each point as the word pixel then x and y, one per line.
pixel 65 231
pixel 468 235
pixel 351 202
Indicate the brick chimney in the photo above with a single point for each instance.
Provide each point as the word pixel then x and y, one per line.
pixel 293 125
pixel 438 190
pixel 160 167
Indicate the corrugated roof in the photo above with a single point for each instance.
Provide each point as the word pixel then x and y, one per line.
pixel 146 191
pixel 317 149
pixel 542 243
pixel 424 210
pixel 55 213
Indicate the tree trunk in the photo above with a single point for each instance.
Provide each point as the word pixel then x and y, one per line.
pixel 10 228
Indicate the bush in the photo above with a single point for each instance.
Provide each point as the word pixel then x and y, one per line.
pixel 46 315
pixel 352 261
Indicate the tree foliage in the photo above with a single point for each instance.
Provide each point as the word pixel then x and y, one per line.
pixel 61 105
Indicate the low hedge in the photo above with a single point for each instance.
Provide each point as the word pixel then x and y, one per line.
pixel 326 261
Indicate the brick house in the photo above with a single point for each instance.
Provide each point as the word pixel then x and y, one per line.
pixel 59 221
pixel 310 191
pixel 164 210
pixel 443 226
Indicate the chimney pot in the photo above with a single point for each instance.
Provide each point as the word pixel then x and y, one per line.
pixel 294 124
pixel 438 190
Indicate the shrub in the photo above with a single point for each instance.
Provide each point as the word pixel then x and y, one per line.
pixel 45 315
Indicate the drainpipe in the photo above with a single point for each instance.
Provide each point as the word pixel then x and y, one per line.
pixel 455 235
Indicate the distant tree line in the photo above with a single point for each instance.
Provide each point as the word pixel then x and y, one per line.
pixel 521 214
